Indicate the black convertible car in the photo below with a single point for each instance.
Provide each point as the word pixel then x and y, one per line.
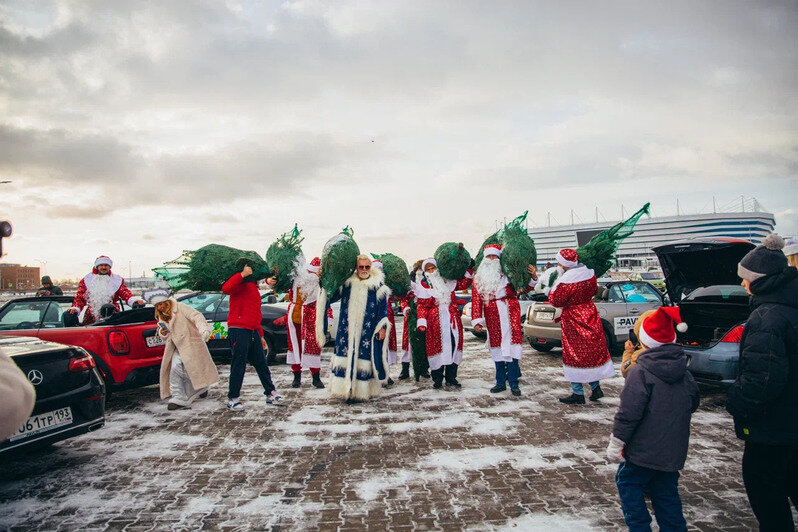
pixel 70 393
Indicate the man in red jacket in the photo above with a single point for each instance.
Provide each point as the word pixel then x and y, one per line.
pixel 245 333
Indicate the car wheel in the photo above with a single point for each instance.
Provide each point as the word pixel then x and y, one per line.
pixel 544 348
pixel 612 347
pixel 271 352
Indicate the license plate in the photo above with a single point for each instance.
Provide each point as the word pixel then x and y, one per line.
pixel 154 341
pixel 544 316
pixel 43 423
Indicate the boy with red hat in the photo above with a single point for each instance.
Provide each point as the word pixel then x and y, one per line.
pixel 651 431
pixel 585 356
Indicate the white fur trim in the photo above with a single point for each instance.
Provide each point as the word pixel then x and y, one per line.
pixel 573 276
pixel 648 341
pixel 133 299
pixel 605 371
pixel 321 312
pixel 428 261
pixel 313 269
pixel 468 275
pixel 421 322
pixel 566 263
pixel 103 260
pixel 478 321
pixel 492 251
pixel 406 311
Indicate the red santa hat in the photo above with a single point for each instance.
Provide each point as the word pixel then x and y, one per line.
pixel 567 258
pixel 102 259
pixel 658 328
pixel 314 265
pixel 377 263
pixel 428 261
pixel 493 249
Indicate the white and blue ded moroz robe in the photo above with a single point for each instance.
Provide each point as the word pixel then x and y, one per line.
pixel 358 367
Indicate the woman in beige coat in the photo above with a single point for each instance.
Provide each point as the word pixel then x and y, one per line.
pixel 187 369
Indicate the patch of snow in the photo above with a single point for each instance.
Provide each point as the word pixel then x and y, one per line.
pixel 544 522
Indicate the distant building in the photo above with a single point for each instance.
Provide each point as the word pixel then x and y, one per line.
pixel 140 283
pixel 635 251
pixel 18 277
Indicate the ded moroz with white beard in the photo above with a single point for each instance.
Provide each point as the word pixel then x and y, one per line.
pixel 358 367
pixel 439 318
pixel 98 288
pixel 304 352
pixel 494 305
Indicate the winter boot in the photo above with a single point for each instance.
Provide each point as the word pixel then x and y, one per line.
pixel 297 379
pixel 573 399
pixel 597 394
pixel 498 389
pixel 317 381
pixel 516 391
pixel 405 371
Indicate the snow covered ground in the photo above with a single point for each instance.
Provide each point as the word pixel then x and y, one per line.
pixel 415 458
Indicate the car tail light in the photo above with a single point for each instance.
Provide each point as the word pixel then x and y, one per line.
pixel 733 336
pixel 117 342
pixel 81 362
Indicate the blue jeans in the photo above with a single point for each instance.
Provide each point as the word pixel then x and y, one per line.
pixel 507 371
pixel 634 482
pixel 246 346
pixel 578 390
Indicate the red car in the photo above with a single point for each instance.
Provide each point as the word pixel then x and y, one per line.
pixel 124 346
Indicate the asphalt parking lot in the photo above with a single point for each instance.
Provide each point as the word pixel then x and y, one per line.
pixel 413 459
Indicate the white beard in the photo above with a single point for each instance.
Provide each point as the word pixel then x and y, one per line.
pixel 489 278
pixel 100 292
pixel 308 285
pixel 442 292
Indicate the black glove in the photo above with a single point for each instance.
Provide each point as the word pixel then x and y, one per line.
pixel 471 264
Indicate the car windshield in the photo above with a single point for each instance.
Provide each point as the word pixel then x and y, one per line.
pixel 24 315
pixel 639 293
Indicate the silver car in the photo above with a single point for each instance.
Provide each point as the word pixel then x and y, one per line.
pixel 619 303
pixel 524 302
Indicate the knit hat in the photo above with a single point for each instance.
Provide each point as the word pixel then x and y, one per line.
pixel 155 295
pixel 568 258
pixel 46 280
pixel 102 259
pixel 658 328
pixel 493 249
pixel 765 259
pixel 314 265
pixel 791 246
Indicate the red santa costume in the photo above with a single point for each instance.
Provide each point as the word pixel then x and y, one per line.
pixel 494 305
pixel 404 303
pixel 392 344
pixel 304 352
pixel 584 349
pixel 437 311
pixel 96 290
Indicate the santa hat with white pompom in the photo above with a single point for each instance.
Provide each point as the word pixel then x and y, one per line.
pixel 658 328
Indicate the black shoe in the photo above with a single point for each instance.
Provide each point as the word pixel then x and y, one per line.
pixel 573 399
pixel 455 383
pixel 389 382
pixel 498 389
pixel 516 391
pixel 437 385
pixel 425 375
pixel 317 381
pixel 405 371
pixel 297 380
pixel 597 394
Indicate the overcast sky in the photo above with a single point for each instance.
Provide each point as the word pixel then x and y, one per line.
pixel 139 129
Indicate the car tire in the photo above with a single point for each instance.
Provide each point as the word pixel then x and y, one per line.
pixel 540 348
pixel 271 352
pixel 612 347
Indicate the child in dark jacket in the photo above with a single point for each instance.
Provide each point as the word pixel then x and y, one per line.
pixel 651 431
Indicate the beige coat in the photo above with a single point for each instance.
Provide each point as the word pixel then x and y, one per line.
pixel 185 336
pixel 18 397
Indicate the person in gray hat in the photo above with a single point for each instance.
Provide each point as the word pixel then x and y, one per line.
pixel 48 288
pixel 764 398
pixel 791 250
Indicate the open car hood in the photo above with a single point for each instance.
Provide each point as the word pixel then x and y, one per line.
pixel 691 264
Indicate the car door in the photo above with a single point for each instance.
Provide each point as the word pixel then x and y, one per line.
pixel 639 298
